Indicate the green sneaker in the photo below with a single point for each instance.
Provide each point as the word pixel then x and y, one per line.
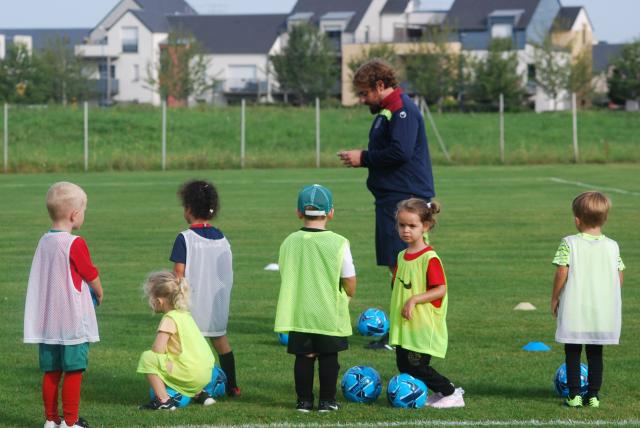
pixel 593 402
pixel 574 402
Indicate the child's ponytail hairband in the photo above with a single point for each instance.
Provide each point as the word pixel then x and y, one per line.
pixel 429 205
pixel 210 210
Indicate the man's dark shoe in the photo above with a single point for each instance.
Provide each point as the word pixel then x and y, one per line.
pixel 304 406
pixel 328 406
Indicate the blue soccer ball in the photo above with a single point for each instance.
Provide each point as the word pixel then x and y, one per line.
pixel 373 322
pixel 560 380
pixel 361 384
pixel 218 385
pixel 183 400
pixel 406 391
pixel 283 338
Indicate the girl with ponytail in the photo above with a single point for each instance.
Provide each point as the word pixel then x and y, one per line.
pixel 180 357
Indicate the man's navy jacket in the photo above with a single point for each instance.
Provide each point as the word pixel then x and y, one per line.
pixel 398 155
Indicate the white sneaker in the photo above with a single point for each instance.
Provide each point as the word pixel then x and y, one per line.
pixel 208 401
pixel 80 423
pixel 450 401
pixel 433 398
pixel 51 424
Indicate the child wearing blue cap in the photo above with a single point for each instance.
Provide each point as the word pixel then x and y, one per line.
pixel 318 280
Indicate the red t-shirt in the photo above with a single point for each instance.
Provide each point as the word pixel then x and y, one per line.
pixel 81 265
pixel 435 273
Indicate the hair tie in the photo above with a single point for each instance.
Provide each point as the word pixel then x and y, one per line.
pixel 210 210
pixel 429 205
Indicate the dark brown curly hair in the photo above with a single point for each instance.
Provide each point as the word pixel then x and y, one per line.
pixel 201 198
pixel 372 71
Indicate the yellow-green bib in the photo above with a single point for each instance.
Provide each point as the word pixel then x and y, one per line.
pixel 311 299
pixel 426 332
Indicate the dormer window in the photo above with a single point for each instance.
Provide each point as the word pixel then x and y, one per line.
pixel 501 31
pixel 501 22
pixel 299 18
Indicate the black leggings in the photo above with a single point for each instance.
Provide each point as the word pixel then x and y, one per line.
pixel 328 369
pixel 594 359
pixel 417 365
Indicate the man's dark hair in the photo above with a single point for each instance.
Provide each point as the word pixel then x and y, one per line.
pixel 372 71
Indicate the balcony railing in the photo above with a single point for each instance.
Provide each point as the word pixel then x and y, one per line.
pixel 96 51
pixel 246 86
pixel 100 86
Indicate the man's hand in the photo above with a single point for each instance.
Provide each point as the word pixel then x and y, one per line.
pixel 351 158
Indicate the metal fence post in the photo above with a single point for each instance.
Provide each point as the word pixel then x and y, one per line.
pixel 242 132
pixel 317 132
pixel 435 130
pixel 164 135
pixel 502 128
pixel 86 136
pixel 6 137
pixel 574 107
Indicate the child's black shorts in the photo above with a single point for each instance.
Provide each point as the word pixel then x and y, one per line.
pixel 309 343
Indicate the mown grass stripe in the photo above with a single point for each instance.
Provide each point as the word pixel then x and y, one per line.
pixel 594 186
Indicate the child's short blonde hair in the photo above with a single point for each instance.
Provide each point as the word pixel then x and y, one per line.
pixel 64 197
pixel 166 285
pixel 592 208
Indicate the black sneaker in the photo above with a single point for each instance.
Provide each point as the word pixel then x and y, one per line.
pixel 204 398
pixel 304 406
pixel 156 404
pixel 328 406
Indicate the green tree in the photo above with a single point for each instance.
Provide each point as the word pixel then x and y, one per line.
pixel 581 75
pixel 21 82
pixel 182 71
pixel 553 67
pixel 62 72
pixel 308 65
pixel 624 83
pixel 432 67
pixel 496 74
pixel 383 51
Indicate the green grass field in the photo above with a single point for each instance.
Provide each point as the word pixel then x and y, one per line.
pixel 129 137
pixel 498 231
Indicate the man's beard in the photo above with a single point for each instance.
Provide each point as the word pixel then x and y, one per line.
pixel 375 108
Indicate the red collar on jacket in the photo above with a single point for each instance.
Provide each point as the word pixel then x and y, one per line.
pixel 393 101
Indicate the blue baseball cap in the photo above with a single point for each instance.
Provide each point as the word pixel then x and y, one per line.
pixel 316 196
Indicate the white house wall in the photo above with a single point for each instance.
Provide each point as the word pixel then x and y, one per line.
pixel 134 88
pixel 388 23
pixel 219 65
pixel 370 22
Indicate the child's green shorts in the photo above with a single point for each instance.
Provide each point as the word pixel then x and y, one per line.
pixel 65 358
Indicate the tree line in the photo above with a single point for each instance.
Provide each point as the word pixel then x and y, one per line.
pixel 434 70
pixel 49 75
pixel 309 67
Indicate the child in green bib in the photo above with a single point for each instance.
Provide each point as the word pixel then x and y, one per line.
pixel 586 297
pixel 419 302
pixel 318 280
pixel 180 356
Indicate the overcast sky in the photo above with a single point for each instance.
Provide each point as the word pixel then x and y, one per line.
pixel 615 21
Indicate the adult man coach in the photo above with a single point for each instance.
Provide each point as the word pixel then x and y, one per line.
pixel 397 156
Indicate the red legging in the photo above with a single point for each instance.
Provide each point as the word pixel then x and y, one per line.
pixel 70 395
